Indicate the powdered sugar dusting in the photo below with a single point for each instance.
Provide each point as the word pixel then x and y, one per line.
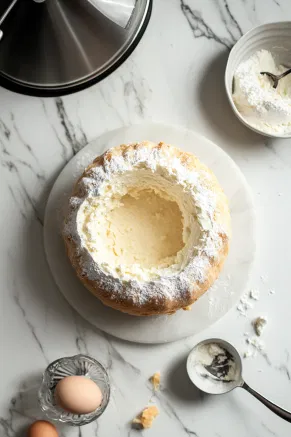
pixel 163 163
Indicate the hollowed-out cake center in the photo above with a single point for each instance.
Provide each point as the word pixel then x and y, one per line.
pixel 146 228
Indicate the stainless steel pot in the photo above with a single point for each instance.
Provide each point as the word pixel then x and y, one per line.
pixel 57 47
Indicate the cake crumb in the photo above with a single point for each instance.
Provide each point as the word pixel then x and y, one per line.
pixel 248 354
pixel 156 380
pixel 146 418
pixel 188 308
pixel 259 325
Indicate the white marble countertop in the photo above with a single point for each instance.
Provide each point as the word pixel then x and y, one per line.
pixel 175 75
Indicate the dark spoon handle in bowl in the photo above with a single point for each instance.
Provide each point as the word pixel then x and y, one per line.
pixel 276 77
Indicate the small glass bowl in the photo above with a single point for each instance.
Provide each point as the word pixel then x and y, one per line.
pixel 80 365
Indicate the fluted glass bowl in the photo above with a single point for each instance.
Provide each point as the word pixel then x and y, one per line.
pixel 80 365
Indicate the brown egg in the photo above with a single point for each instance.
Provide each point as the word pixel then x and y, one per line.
pixel 41 428
pixel 78 395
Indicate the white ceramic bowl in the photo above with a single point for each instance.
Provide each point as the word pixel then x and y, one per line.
pixel 275 37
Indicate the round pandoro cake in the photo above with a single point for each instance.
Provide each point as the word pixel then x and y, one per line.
pixel 147 229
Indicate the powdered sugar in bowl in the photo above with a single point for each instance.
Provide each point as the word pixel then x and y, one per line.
pixel 254 101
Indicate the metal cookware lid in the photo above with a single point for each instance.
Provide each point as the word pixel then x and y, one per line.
pixel 56 47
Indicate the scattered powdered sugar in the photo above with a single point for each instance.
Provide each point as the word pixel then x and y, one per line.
pixel 255 346
pixel 255 294
pixel 248 354
pixel 264 278
pixel 244 304
pixel 163 162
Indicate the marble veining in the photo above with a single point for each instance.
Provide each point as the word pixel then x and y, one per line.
pixel 176 76
pixel 201 29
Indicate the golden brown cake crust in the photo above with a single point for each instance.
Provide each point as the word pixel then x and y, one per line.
pixel 159 303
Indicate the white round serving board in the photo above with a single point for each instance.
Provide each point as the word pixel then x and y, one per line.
pixel 214 304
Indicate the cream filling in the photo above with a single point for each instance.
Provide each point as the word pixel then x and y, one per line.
pixel 140 227
pixel 146 229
